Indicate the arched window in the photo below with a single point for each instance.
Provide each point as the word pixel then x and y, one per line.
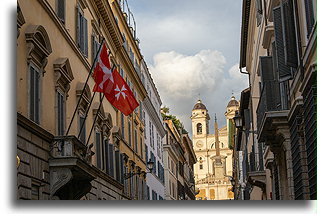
pixel 199 128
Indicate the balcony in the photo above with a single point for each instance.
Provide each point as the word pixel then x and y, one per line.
pixel 256 175
pixel 70 168
pixel 271 112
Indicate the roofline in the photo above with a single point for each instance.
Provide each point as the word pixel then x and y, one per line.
pixel 244 32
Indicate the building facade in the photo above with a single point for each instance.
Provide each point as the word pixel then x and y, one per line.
pixel 179 159
pixel 278 134
pixel 154 134
pixel 71 143
pixel 213 170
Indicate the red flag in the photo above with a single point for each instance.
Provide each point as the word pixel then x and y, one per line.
pixel 102 72
pixel 121 95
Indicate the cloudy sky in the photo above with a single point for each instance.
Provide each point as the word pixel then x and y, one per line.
pixel 192 48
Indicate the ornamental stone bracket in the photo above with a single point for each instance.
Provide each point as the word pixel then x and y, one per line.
pixel 257 178
pixel 116 135
pixel 70 169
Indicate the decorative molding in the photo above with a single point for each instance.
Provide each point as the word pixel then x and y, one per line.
pixel 63 74
pixel 38 46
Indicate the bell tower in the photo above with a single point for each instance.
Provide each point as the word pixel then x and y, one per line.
pixel 232 107
pixel 200 120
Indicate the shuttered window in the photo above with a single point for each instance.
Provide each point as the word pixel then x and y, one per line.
pixel 129 133
pixel 34 94
pixel 122 168
pixel 111 160
pixel 136 141
pixel 61 10
pixel 82 32
pixel 82 125
pixel 107 156
pixel 310 17
pixel 284 71
pixel 122 125
pixel 98 149
pixel 95 46
pixel 289 36
pixel 60 114
pixel 117 165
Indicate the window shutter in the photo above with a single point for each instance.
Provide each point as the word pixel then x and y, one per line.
pixel 61 10
pixel 82 123
pixel 98 150
pixel 121 168
pixel 117 164
pixel 85 37
pixel 269 83
pixel 37 97
pixel 290 47
pixel 310 20
pixel 111 165
pixel 283 70
pixel 78 29
pixel 107 156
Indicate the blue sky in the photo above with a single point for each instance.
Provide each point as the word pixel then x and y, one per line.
pixel 191 48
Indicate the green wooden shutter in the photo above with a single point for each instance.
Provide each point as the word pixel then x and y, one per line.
pixel 117 165
pixel 61 10
pixel 98 150
pixel 289 36
pixel 284 71
pixel 111 164
pixel 122 168
pixel 78 27
pixel 85 37
pixel 310 17
pixel 107 156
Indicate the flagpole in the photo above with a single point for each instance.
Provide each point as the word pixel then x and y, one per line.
pixel 81 95
pixel 88 108
pixel 86 114
pixel 95 119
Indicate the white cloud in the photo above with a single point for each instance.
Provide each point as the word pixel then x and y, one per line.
pixel 180 78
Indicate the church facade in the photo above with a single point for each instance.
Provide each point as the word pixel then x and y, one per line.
pixel 213 170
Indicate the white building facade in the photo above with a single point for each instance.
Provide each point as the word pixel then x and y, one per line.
pixel 153 135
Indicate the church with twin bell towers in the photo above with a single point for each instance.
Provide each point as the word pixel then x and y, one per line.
pixel 213 169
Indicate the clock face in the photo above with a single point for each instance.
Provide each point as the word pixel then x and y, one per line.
pixel 199 144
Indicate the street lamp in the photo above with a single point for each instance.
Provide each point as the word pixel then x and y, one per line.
pixel 150 165
pixel 238 120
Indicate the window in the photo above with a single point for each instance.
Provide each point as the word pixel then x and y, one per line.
pixel 129 132
pixel 60 10
pixel 82 32
pixel 122 125
pixel 122 72
pixel 60 114
pixel 82 129
pixel 64 76
pixel 95 46
pixel 111 160
pixel 201 166
pixel 199 128
pixel 146 154
pixel 98 149
pixel 34 94
pixel 141 147
pixel 310 20
pixel 136 140
pixel 39 48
